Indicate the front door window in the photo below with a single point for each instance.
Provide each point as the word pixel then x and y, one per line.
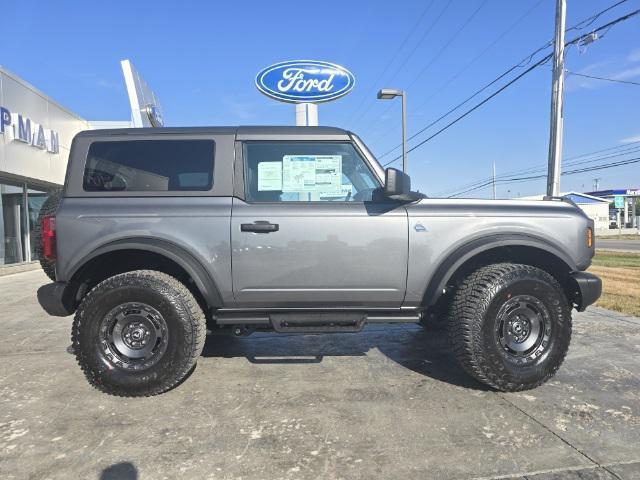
pixel 306 172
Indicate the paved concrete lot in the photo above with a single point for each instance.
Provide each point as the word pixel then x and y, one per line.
pixel 620 245
pixel 386 403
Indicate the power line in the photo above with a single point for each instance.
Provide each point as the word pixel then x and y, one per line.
pixel 396 53
pixel 466 67
pixel 588 21
pixel 475 107
pixel 568 172
pixel 469 64
pixel 618 150
pixel 422 39
pixel 413 50
pixel 526 60
pixel 441 51
pixel 504 87
pixel 603 78
pixel 447 44
pixel 533 173
pixel 586 158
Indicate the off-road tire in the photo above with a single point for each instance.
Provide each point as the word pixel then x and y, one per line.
pixel 185 327
pixel 477 317
pixel 49 207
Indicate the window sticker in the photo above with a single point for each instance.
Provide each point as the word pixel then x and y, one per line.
pixel 329 173
pixel 269 176
pixel 345 193
pixel 298 173
pixel 312 173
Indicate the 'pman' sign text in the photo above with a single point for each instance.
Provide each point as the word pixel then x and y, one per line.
pixel 24 130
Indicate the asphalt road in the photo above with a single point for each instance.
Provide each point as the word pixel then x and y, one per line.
pixel 619 245
pixel 387 403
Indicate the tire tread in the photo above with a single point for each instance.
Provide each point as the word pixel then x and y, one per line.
pixel 470 301
pixel 173 291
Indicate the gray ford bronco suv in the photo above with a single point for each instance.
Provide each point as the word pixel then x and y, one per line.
pixel 161 234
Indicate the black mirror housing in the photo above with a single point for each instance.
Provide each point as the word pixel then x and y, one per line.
pixel 396 183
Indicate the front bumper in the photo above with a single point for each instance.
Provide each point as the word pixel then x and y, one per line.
pixel 589 289
pixel 54 299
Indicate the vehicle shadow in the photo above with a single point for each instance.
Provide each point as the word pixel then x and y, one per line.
pixel 423 351
pixel 120 471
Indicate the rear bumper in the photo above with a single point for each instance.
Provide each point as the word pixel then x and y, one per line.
pixel 589 289
pixel 53 298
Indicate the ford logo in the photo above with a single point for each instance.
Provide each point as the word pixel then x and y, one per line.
pixel 154 115
pixel 305 81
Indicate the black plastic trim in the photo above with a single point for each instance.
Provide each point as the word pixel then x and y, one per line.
pixel 184 259
pixel 458 257
pixel 589 289
pixel 54 298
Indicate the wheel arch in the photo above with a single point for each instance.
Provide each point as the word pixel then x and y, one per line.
pixel 516 248
pixel 142 253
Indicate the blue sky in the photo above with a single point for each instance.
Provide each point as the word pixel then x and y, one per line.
pixel 201 59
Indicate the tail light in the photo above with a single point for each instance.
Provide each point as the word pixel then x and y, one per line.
pixel 49 237
pixel 589 237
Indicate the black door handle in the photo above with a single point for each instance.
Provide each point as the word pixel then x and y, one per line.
pixel 259 227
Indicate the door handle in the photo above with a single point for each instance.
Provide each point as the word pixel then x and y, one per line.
pixel 259 227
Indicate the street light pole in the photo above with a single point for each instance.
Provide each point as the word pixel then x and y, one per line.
pixel 388 94
pixel 557 93
pixel 404 132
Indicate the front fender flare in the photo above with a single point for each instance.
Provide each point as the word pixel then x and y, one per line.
pixel 463 253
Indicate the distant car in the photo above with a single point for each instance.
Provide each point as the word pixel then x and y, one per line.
pixel 613 220
pixel 297 229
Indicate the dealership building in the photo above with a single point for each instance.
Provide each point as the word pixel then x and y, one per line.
pixel 35 138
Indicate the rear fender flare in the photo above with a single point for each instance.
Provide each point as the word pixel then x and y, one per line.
pixel 194 268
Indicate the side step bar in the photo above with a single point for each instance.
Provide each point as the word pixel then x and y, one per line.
pixel 314 322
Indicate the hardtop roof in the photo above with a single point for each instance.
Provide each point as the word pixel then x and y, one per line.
pixel 270 130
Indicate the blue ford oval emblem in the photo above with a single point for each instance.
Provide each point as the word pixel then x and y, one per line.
pixel 154 115
pixel 305 81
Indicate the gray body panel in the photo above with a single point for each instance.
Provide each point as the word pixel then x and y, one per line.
pixel 197 227
pixel 324 254
pixel 452 224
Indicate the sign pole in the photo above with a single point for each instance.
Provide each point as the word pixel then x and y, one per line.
pixel 306 115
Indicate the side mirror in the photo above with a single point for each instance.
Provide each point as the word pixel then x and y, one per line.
pixel 396 183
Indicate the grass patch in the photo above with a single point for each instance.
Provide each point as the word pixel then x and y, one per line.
pixel 620 274
pixel 610 258
pixel 618 237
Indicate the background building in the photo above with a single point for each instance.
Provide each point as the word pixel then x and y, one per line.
pixel 626 215
pixel 596 208
pixel 35 138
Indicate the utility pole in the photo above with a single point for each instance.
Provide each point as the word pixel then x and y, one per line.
pixel 557 92
pixel 596 184
pixel 494 180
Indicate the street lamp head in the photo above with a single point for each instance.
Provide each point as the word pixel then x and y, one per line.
pixel 389 93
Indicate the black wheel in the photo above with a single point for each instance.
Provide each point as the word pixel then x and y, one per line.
pixel 138 333
pixel 49 207
pixel 510 326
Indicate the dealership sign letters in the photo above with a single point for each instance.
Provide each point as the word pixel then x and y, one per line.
pixel 24 130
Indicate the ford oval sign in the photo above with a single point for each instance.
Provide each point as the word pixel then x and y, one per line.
pixel 305 81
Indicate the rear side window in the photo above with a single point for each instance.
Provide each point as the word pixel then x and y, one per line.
pixel 149 166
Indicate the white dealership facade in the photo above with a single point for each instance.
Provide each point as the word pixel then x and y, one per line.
pixel 35 138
